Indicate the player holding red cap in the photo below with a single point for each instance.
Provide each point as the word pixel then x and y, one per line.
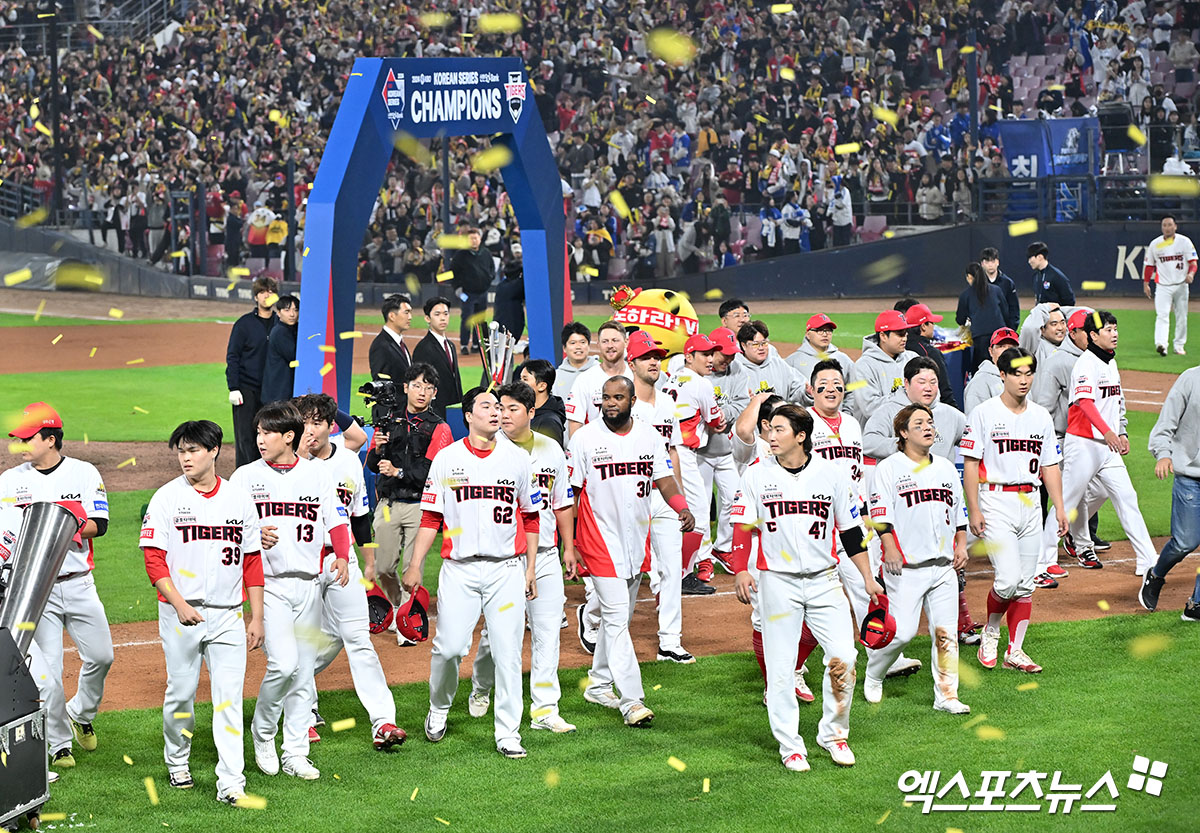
pixel 880 368
pixel 48 475
pixel 818 346
pixel 986 382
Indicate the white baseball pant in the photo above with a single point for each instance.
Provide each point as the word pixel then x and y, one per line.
pixel 934 589
pixel 698 501
pixel 74 606
pixel 1085 461
pixel 345 622
pixel 788 602
pixel 615 662
pixel 545 621
pixel 1012 532
pixel 291 629
pixel 220 641
pixel 1167 300
pixel 495 588
pixel 722 472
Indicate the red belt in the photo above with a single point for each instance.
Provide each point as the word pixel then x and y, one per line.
pixel 1019 487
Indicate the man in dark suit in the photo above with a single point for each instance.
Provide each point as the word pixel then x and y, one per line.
pixel 989 259
pixel 435 350
pixel 473 270
pixel 389 354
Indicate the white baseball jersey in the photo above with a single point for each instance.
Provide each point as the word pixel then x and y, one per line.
pixel 302 503
pixel 661 416
pixel 1100 382
pixel 1011 448
pixel 744 454
pixel 346 470
pixel 696 407
pixel 839 441
pixel 10 527
pixel 798 515
pixel 549 464
pixel 1169 260
pixel 71 480
pixel 923 504
pixel 583 402
pixel 205 537
pixel 481 497
pixel 613 476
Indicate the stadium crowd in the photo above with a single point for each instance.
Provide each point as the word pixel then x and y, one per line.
pixel 729 157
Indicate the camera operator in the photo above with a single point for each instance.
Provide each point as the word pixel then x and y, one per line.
pixel 404 446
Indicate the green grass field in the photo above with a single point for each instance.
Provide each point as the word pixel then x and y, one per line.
pixel 1090 713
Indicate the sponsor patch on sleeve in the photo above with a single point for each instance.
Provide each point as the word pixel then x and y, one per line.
pixel 854 511
pixel 147 532
pixel 878 512
pixel 341 510
pixel 428 497
pixel 570 492
pixel 536 497
pixel 965 443
pixel 100 505
pixel 1082 389
pixel 737 510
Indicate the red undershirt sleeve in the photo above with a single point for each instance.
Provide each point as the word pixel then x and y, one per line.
pixel 531 522
pixel 252 569
pixel 1088 408
pixel 339 536
pixel 156 564
pixel 743 536
pixel 431 520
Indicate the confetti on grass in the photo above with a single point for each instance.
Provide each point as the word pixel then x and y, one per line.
pixel 676 764
pixel 253 802
pixel 151 790
pixel 343 725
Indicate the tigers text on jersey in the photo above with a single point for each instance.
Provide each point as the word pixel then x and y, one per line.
pixel 481 497
pixel 1011 448
pixel 1099 381
pixel 839 441
pixel 346 470
pixel 549 465
pixel 204 538
pixel 661 416
pixel 923 504
pixel 71 480
pixel 1170 260
pixel 302 503
pixel 696 407
pixel 799 515
pixel 583 402
pixel 613 476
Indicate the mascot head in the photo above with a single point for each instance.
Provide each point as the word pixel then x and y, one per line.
pixel 667 316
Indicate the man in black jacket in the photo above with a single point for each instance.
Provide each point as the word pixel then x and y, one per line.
pixel 245 359
pixel 436 351
pixel 473 270
pixel 989 259
pixel 550 415
pixel 1049 283
pixel 920 321
pixel 389 356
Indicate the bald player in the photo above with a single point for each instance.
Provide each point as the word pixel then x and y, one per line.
pixel 583 402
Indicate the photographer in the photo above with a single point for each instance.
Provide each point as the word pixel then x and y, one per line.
pixel 406 442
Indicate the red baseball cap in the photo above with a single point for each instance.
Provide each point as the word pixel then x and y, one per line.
pixel 1078 319
pixel 818 321
pixel 919 314
pixel 890 322
pixel 1005 334
pixel 641 344
pixel 34 418
pixel 699 343
pixel 725 340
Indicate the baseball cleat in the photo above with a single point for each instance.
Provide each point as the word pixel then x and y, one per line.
pixel 675 655
pixel 301 768
pixel 1056 572
pixel 552 723
pixel 1089 561
pixel 872 690
pixel 1100 545
pixel 989 642
pixel 51 777
pixel 693 586
pixel 387 736
pixel 903 667
pixel 513 750
pixel 839 750
pixel 1018 660
pixel 1162 351
pixel 954 706
pixel 602 698
pixel 1191 612
pixel 1044 581
pixel 589 645
pixel 796 763
pixel 63 759
pixel 265 756
pixel 1151 587
pixel 477 704
pixel 313 735
pixel 318 721
pixel 435 727
pixel 231 798
pixel 84 734
pixel 563 625
pixel 181 780
pixel 403 641
pixel 639 716
pixel 1179 351
pixel 803 692
pixel 724 560
pixel 704 570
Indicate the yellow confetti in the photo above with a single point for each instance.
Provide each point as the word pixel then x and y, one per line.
pixel 777 616
pixel 151 790
pixel 787 73
pixel 651 100
pixel 26 626
pixel 443 821
pixel 231 285
pixel 589 270
pixel 233 731
pixel 294 363
pixel 274 115
pixel 182 715
pixel 1021 361
pixel 1093 286
pixel 327 348
pixel 136 361
pixel 54 816
pixel 1025 499
pixel 884 817
pixel 1177 186
pixel 185 733
pixel 343 725
pixel 387 514
pixel 969 676
pixel 861 383
pixel 760 118
pixel 56 339
pixel 657 687
pixel 977 719
pixel 939 57
pixel 410 147
pixel 506 23
pixel 178 253
pixel 1022 227
pixel 714 295
pixel 325 368
pixel 239 271
pixel 19 276
pixel 676 48
pixel 1103 605
pixel 1135 133
pixel 989 733
pixel 98 35
pixel 924 464
pixel 552 778
pixel 33 218
pixel 187 573
pixel 413 797
pixel 676 764
pixel 848 147
pixel 337 777
pixel 367 583
pixel 442 277
pixel 41 128
pixel 222 706
pixel 1147 645
pixel 536 713
pixel 453 241
pixel 38 313
pixel 371 546
pixel 19 448
pixel 140 410
pixel 886 115
pixel 1027 686
pixel 253 802
pixel 505 607
pixel 705 785
pixel 434 20
pixel 491 159
pixel 1097 321
pixel 113 312
pixel 781 8
pixel 305 252
pixel 584 682
pixel 271 300
pixel 132 461
pixel 618 202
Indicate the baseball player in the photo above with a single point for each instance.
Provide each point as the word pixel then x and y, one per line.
pixel 48 475
pixel 298 511
pixel 916 505
pixel 481 491
pixel 583 402
pixel 1175 444
pixel 716 457
pixel 985 383
pixel 546 610
pixel 344 615
pixel 1170 262
pixel 797 504
pixel 880 368
pixel 1093 449
pixel 1007 448
pixel 200 540
pixel 762 368
pixel 817 347
pixel 615 463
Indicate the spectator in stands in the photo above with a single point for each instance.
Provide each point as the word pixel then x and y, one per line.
pixel 1049 283
pixel 981 307
pixel 931 200
pixel 1184 57
pixel 474 271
